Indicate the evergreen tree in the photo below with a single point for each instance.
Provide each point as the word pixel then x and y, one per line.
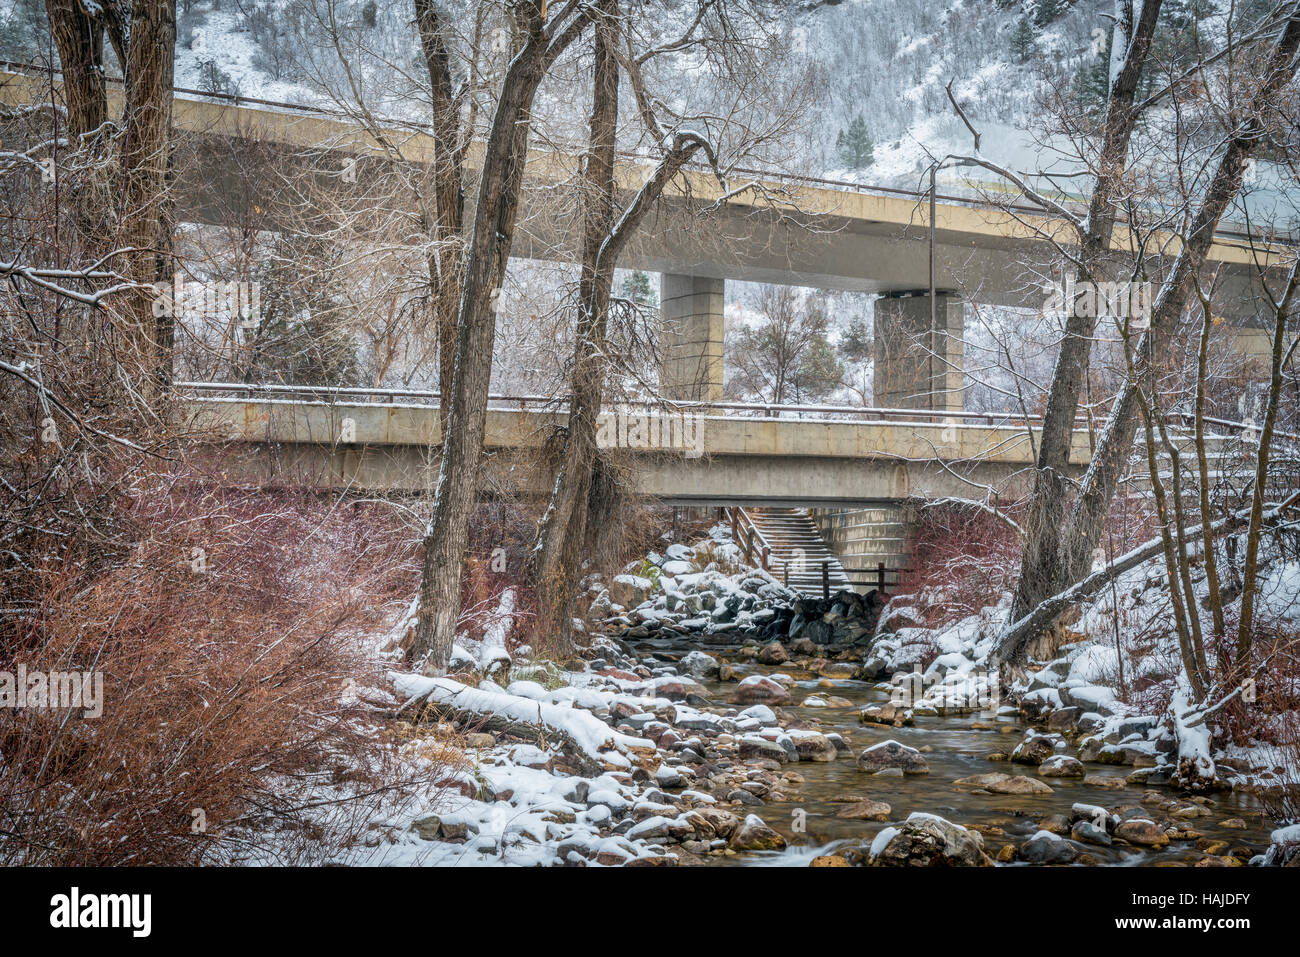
pixel 1093 81
pixel 1022 40
pixel 854 144
pixel 1047 11
pixel 637 288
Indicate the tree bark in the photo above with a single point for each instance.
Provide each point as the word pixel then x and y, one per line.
pixel 556 559
pixel 447 535
pixel 80 41
pixel 1087 519
pixel 146 210
pixel 563 525
pixel 447 257
pixel 1040 571
pixel 1280 357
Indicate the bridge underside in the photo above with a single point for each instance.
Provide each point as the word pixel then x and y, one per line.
pixel 727 460
pixel 793 481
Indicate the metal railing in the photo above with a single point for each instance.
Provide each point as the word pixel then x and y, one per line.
pixel 427 398
pixel 749 537
pixel 974 202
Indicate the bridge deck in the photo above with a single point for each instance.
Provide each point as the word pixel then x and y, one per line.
pixel 688 454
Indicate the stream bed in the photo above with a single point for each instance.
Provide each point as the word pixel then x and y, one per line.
pixel 954 747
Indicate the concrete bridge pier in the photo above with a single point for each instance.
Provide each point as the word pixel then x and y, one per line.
pixel 918 357
pixel 691 309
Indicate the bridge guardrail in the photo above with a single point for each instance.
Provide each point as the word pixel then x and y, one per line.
pixel 428 398
pixel 973 202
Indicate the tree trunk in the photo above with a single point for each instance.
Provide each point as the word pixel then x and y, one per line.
pixel 447 535
pixel 1087 519
pixel 446 260
pixel 146 218
pixel 80 42
pixel 556 555
pixel 1280 357
pixel 1040 571
pixel 556 559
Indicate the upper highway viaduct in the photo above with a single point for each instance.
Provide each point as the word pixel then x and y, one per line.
pixel 236 154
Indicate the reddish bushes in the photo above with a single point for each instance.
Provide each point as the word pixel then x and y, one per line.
pixel 964 558
pixel 227 641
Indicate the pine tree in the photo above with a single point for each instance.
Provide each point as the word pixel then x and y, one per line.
pixel 1093 82
pixel 854 145
pixel 1046 11
pixel 637 288
pixel 1022 40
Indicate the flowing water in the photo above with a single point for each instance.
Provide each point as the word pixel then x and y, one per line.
pixel 953 749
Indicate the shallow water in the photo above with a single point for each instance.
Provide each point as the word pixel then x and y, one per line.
pixel 957 751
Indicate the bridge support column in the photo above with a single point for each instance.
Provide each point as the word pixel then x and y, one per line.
pixel 919 366
pixel 691 308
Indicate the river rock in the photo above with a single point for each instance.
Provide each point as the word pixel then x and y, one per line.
pixel 1109 782
pixel 773 654
pixel 699 665
pixel 804 646
pixel 754 835
pixel 760 689
pixel 888 713
pixel 1063 719
pixel 865 810
pixel 752 746
pixel 760 713
pixel 1062 766
pixel 828 860
pixel 1056 823
pixel 892 755
pixel 811 746
pixel 1142 831
pixel 629 590
pixel 999 783
pixel 927 840
pixel 1047 848
pixel 1089 833
pixel 1034 750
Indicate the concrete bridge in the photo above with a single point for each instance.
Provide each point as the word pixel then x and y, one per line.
pixel 239 162
pixel 855 471
pixel 687 454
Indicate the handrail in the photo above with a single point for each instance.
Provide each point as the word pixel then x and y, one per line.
pixel 976 202
pixel 430 398
pixel 744 531
pixel 772 410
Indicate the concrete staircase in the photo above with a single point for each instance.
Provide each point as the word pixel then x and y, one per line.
pixel 798 550
pixel 866 539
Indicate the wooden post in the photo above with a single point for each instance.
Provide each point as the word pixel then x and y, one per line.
pixel 826 579
pixel 880 577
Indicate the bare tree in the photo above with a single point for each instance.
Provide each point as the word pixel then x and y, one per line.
pixel 1040 574
pixel 543 38
pixel 584 475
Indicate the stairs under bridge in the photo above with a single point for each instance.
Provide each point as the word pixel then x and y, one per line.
pixel 861 548
pixel 787 543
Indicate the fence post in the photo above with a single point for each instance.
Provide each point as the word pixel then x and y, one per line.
pixel 880 577
pixel 826 578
